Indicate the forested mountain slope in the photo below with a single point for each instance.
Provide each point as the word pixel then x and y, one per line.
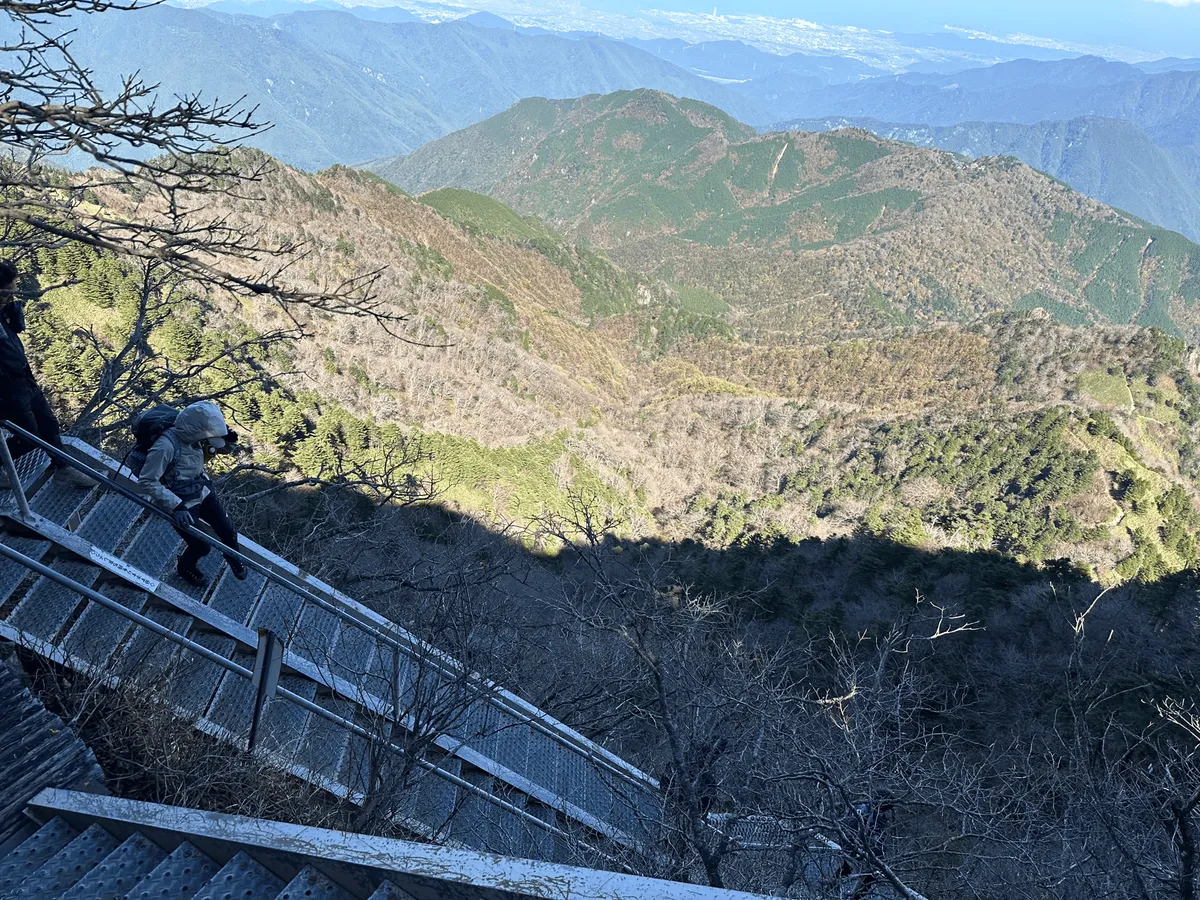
pixel 543 372
pixel 1110 160
pixel 809 234
pixel 690 543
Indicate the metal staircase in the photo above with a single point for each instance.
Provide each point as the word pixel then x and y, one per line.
pixel 89 847
pixel 302 674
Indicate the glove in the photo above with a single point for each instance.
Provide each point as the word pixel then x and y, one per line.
pixel 183 518
pixel 232 437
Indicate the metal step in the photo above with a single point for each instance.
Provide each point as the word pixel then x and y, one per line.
pixel 356 765
pixel 235 598
pixel 510 835
pixel 317 636
pixel 147 655
pixel 29 855
pixel 231 705
pixel 545 758
pixel 504 738
pixel 48 606
pixel 353 657
pixel 109 521
pixel 98 632
pixel 11 573
pixel 431 799
pixel 309 884
pixel 545 844
pixel 68 866
pixel 324 745
pixel 278 610
pixel 154 548
pixel 178 877
pixel 241 877
pixel 388 891
pixel 119 872
pixel 194 679
pixel 474 816
pixel 58 501
pixel 284 723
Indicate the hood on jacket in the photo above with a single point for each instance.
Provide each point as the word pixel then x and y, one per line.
pixel 200 421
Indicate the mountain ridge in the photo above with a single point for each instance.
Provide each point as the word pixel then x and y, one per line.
pixel 908 235
pixel 1110 160
pixel 341 89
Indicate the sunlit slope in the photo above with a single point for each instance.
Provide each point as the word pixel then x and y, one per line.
pixel 824 233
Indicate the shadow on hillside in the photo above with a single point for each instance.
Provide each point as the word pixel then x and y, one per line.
pixel 858 585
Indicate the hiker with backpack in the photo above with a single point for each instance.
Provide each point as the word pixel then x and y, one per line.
pixel 21 399
pixel 172 448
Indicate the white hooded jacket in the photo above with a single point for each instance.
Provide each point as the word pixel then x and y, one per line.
pixel 185 483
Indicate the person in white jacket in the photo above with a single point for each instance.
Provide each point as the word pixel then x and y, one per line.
pixel 174 479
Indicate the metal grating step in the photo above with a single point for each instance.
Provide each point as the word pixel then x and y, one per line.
pixel 179 877
pixel 11 573
pixel 511 834
pixel 230 707
pixel 241 879
pixel 545 757
pixel 68 866
pixel 353 657
pixel 29 855
pixel 154 548
pixel 98 632
pixel 309 884
pixel 235 598
pixel 109 521
pixel 146 655
pixel 317 636
pixel 284 723
pixel 388 891
pixel 356 765
pixel 430 799
pixel 194 679
pixel 119 872
pixel 48 607
pixel 58 501
pixel 278 610
pixel 324 745
pixel 474 817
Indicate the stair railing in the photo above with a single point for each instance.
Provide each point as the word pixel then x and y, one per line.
pixel 442 665
pixel 261 696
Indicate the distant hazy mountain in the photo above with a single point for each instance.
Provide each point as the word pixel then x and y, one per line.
pixel 342 89
pixel 1171 64
pixel 1108 159
pixel 736 61
pixel 1165 105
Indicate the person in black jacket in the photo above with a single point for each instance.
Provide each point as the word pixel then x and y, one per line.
pixel 21 399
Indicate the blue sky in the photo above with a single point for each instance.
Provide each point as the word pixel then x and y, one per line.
pixel 1172 27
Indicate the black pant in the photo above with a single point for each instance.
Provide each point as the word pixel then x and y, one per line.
pixel 210 511
pixel 23 403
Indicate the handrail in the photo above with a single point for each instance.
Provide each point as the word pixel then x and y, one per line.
pixel 315 708
pixel 487 688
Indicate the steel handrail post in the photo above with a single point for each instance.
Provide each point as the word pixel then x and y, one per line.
pixel 14 477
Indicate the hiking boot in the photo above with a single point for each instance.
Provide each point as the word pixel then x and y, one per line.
pixel 238 568
pixel 190 574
